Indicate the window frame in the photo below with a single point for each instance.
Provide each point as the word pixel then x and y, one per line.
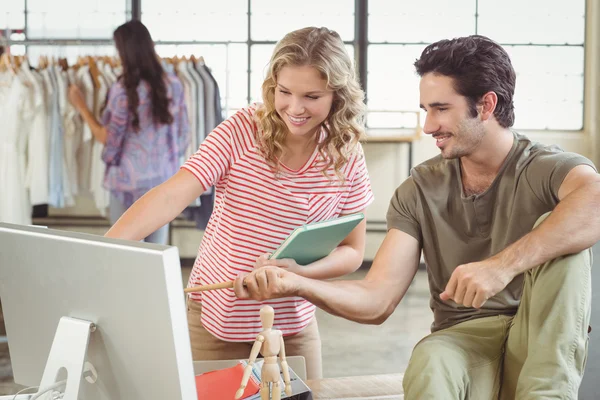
pixel 361 43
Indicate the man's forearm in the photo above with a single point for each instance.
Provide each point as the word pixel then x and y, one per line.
pixel 358 301
pixel 572 227
pixel 343 260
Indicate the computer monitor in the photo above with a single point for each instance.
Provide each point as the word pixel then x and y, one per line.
pixel 128 297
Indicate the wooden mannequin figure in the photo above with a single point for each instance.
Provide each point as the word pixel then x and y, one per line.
pixel 270 344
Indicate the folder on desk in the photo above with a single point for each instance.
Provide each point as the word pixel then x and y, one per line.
pixel 223 383
pixel 311 242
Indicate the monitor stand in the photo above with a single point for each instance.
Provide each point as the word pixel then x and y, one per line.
pixel 68 352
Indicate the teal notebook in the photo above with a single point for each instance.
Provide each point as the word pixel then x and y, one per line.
pixel 311 242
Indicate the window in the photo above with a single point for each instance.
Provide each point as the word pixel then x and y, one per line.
pixel 79 27
pixel 545 40
pixel 12 15
pixel 237 58
pixel 547 51
pixel 204 21
pixel 272 19
pixel 73 19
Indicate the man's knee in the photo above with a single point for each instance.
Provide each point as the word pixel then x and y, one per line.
pixel 435 371
pixel 432 358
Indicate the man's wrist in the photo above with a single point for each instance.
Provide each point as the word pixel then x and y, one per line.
pixel 298 285
pixel 509 263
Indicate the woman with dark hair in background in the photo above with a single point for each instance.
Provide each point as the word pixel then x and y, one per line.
pixel 144 126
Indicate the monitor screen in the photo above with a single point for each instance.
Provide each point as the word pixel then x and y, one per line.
pixel 131 291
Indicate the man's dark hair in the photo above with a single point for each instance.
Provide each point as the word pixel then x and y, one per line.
pixel 477 65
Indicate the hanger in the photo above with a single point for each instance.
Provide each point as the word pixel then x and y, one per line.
pixel 81 61
pixel 6 63
pixel 17 61
pixel 94 71
pixel 109 60
pixel 63 63
pixel 42 62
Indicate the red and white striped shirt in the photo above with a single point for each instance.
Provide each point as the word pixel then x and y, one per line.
pixel 254 212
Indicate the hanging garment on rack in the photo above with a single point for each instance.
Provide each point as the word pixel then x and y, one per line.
pixel 210 115
pixel 216 96
pixel 209 104
pixel 199 122
pixel 98 168
pixel 191 98
pixel 63 102
pixel 84 155
pixel 73 126
pixel 16 113
pixel 56 195
pixel 108 72
pixel 36 175
pixel 199 107
pixel 57 157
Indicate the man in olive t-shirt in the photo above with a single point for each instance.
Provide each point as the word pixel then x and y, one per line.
pixel 505 226
pixel 455 228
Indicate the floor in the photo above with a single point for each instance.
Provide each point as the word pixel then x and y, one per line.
pixel 367 350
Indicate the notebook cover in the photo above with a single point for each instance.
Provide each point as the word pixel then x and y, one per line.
pixel 314 241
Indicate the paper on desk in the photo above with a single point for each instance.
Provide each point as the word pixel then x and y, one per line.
pixel 299 390
pixel 256 373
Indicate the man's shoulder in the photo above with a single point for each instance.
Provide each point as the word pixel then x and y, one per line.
pixel 434 170
pixel 532 148
pixel 531 152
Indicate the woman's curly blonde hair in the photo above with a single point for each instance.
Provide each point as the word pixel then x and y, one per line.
pixel 324 50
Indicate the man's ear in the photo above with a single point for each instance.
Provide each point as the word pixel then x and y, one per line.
pixel 487 105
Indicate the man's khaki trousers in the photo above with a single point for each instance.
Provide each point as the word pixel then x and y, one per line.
pixel 538 353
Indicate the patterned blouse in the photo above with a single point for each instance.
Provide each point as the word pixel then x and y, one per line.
pixel 138 161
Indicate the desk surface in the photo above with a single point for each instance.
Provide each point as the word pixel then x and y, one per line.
pixel 370 387
pixel 355 387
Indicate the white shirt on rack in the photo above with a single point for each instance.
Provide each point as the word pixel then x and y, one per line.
pixel 64 104
pixel 84 156
pixel 73 132
pixel 15 114
pixel 36 174
pixel 190 94
pixel 98 167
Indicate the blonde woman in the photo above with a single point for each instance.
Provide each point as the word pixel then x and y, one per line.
pixel 293 160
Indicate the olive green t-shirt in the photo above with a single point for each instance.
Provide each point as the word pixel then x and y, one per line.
pixel 453 229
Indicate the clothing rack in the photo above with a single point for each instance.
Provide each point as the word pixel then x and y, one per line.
pixel 91 220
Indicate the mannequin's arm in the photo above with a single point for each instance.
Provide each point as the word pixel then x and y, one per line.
pixel 284 368
pixel 248 370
